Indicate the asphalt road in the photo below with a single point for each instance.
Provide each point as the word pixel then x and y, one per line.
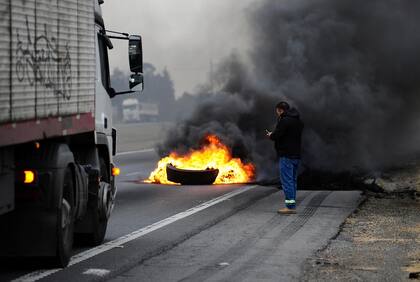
pixel 196 233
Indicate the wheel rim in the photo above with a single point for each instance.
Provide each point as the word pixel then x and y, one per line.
pixel 105 200
pixel 65 214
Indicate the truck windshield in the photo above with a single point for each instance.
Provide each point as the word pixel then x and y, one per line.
pixel 103 54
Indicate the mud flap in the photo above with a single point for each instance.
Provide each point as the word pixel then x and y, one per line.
pixel 7 178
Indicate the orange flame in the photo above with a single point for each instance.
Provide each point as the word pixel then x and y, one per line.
pixel 214 154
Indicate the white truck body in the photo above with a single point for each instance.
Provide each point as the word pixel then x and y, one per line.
pixel 135 111
pixel 130 110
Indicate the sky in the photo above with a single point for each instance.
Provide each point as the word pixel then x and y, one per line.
pixel 184 36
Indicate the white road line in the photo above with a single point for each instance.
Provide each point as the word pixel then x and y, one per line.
pixel 133 173
pixel 36 275
pixel 135 152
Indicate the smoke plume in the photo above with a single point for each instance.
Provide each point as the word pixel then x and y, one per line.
pixel 352 69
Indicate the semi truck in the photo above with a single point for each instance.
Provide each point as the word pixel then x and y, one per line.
pixel 135 111
pixel 57 177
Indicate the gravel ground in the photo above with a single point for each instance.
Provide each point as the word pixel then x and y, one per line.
pixel 379 242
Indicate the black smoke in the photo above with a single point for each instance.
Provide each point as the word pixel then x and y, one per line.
pixel 351 67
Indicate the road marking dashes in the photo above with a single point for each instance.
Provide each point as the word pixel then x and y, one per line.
pixel 97 272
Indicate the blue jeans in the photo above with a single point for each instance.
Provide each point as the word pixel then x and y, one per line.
pixel 288 176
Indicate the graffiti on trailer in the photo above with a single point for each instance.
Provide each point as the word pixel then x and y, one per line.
pixel 39 60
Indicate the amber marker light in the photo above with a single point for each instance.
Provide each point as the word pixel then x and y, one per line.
pixel 29 176
pixel 116 171
pixel 37 145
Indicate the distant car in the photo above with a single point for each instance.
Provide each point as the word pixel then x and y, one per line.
pixel 134 111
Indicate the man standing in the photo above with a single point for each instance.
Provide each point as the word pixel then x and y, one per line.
pixel 287 140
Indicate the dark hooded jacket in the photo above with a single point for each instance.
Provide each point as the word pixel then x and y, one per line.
pixel 288 134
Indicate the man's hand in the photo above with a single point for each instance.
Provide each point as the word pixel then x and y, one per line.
pixel 268 133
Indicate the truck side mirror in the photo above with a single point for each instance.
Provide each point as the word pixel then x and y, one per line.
pixel 135 53
pixel 136 79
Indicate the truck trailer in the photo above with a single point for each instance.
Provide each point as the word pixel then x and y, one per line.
pixel 57 177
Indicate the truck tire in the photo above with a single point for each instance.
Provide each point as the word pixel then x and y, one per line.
pixel 100 222
pixel 191 177
pixel 65 221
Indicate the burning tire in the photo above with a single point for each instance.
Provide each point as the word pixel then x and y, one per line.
pixel 191 177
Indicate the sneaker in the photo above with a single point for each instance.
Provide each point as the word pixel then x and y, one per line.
pixel 286 211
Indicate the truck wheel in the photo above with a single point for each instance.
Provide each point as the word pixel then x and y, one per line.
pixel 100 222
pixel 65 221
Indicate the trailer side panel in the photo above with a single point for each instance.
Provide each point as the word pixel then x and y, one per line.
pixel 47 67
